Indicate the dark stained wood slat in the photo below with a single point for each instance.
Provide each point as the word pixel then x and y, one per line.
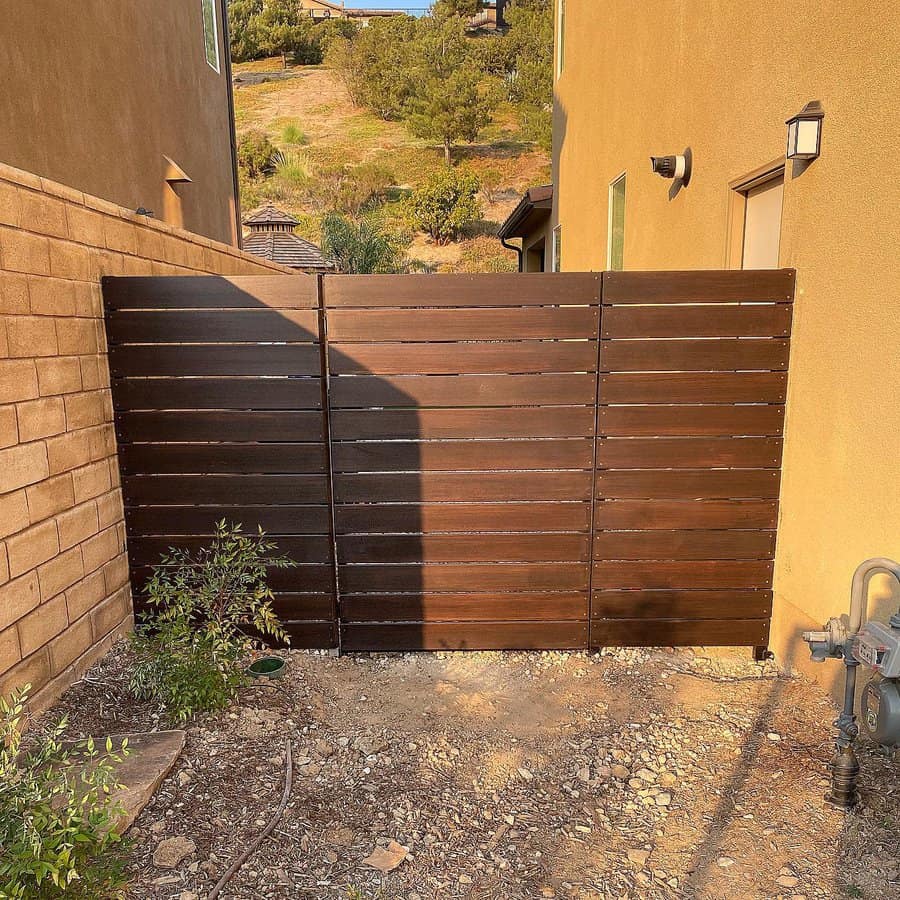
pixel 695 387
pixel 449 455
pixel 695 322
pixel 208 326
pixel 462 517
pixel 695 544
pixel 460 290
pixel 214 359
pixel 671 421
pixel 679 633
pixel 465 636
pixel 358 391
pixel 211 291
pixel 690 575
pixel 462 324
pixel 412 548
pixel 238 459
pixel 658 453
pixel 508 357
pixel 222 489
pixel 686 484
pixel 682 514
pixel 276 520
pixel 465 607
pixel 218 393
pixel 307 578
pixel 428 424
pixel 722 354
pixel 685 604
pixel 147 551
pixel 468 486
pixel 312 635
pixel 229 425
pixel 304 607
pixel 504 577
pixel 696 286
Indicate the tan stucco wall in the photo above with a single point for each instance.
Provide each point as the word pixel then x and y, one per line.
pixel 721 77
pixel 95 94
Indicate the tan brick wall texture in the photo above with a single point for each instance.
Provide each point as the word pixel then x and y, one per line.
pixel 64 591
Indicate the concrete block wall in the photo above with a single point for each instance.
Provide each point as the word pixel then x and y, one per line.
pixel 64 591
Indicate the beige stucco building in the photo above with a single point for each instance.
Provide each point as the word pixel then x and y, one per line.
pixel 635 80
pixel 127 101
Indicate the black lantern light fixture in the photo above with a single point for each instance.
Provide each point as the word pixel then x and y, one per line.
pixel 804 136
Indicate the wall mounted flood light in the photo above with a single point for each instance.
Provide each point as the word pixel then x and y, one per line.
pixel 804 134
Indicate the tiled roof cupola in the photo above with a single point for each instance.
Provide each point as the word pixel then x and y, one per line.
pixel 272 237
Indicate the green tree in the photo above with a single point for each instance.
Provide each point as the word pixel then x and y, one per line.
pixel 361 247
pixel 530 54
pixel 281 28
pixel 463 8
pixel 241 27
pixel 445 204
pixel 256 154
pixel 452 101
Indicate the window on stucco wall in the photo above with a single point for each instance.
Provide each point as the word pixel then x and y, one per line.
pixel 560 36
pixel 210 33
pixel 615 250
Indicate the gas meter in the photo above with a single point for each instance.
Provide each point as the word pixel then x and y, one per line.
pixel 878 646
pixel 873 644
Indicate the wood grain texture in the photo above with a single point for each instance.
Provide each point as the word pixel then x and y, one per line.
pixel 687 484
pixel 471 607
pixel 689 544
pixel 218 393
pixel 360 392
pixel 425 548
pixel 693 387
pixel 699 420
pixel 690 575
pixel 683 604
pixel 210 291
pixel 200 520
pixel 388 518
pixel 464 636
pixel 408 291
pixel 181 360
pixel 449 358
pixel 698 286
pixel 482 324
pixel 205 326
pixel 431 424
pixel 277 490
pixel 681 514
pixel 686 355
pixel 237 459
pixel 226 425
pixel 405 456
pixel 695 322
pixel 679 633
pixel 688 453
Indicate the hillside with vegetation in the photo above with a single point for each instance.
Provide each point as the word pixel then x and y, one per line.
pixel 400 146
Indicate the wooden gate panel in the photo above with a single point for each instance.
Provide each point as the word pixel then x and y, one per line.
pixel 218 388
pixel 462 421
pixel 690 418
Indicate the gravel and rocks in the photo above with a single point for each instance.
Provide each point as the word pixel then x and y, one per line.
pixel 631 773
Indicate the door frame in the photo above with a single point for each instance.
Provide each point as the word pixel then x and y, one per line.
pixel 737 207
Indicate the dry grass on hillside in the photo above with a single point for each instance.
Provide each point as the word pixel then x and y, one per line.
pixel 314 101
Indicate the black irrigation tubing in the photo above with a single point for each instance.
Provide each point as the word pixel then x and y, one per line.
pixel 235 867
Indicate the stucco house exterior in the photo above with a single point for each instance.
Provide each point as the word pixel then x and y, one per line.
pixel 129 102
pixel 639 80
pixel 327 9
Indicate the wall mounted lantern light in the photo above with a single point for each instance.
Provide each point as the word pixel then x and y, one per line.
pixel 804 135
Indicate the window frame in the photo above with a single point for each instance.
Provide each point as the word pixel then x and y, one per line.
pixel 737 207
pixel 623 177
pixel 217 68
pixel 556 248
pixel 560 37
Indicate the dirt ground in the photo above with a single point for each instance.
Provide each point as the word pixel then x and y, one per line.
pixel 645 774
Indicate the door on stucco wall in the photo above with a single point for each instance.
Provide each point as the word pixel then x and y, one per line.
pixel 762 223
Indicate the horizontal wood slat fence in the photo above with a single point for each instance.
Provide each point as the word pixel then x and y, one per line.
pixel 488 461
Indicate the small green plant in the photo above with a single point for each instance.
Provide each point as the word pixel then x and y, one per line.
pixel 255 154
pixel 58 823
pixel 292 133
pixel 292 167
pixel 188 648
pixel 361 247
pixel 445 204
